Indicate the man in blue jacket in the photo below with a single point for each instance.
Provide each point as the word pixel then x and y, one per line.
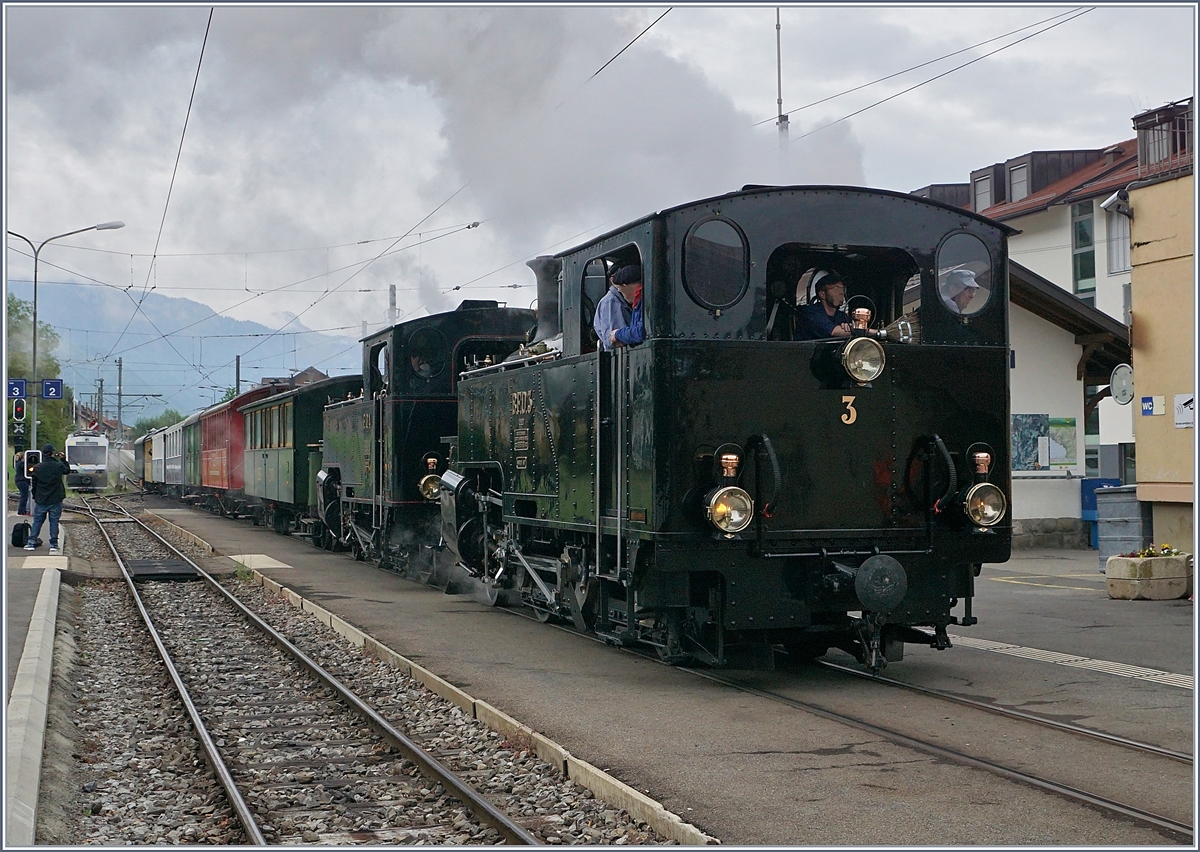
pixel 824 317
pixel 46 478
pixel 619 320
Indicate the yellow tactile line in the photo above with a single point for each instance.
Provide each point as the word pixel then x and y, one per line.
pixel 1075 661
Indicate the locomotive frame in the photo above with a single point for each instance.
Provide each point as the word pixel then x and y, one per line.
pixel 721 491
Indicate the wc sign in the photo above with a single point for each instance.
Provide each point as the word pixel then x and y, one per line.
pixel 1152 406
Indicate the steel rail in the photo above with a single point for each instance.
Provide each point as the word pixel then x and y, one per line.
pixel 429 766
pixel 939 751
pixel 959 757
pixel 211 753
pixel 1111 739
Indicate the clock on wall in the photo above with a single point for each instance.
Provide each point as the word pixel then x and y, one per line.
pixel 1121 384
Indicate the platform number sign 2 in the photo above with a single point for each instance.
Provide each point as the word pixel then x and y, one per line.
pixel 52 388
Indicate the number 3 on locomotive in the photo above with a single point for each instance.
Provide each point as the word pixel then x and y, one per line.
pixel 522 402
pixel 851 413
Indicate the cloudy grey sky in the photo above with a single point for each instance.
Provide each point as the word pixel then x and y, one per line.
pixel 319 135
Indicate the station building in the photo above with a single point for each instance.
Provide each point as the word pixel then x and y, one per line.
pixel 1074 271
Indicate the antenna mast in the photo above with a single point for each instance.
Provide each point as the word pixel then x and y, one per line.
pixel 782 121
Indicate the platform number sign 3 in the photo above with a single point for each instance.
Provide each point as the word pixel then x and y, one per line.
pixel 16 389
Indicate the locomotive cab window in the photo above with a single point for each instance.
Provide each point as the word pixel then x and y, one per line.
pixel 595 285
pixel 875 278
pixel 964 279
pixel 427 353
pixel 380 362
pixel 596 281
pixel 716 269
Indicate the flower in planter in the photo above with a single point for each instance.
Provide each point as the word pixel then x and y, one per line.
pixel 1153 550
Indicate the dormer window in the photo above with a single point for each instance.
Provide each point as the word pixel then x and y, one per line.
pixel 1018 182
pixel 983 193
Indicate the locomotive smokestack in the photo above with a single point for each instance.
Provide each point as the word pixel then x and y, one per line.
pixel 549 319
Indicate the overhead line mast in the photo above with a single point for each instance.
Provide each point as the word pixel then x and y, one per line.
pixel 782 121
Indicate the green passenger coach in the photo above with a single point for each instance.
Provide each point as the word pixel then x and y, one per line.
pixel 283 449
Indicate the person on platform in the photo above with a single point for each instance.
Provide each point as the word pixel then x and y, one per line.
pixel 46 479
pixel 22 484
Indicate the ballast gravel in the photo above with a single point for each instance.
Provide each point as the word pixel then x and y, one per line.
pixel 142 778
pixel 555 809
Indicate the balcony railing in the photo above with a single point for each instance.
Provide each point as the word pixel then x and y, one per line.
pixel 1165 147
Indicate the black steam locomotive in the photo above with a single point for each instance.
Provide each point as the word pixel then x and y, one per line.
pixel 382 450
pixel 722 491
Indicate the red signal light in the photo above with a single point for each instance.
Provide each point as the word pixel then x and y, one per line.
pixel 18 409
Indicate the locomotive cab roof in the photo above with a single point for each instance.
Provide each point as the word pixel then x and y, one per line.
pixel 726 267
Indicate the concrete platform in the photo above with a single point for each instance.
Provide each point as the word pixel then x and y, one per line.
pixel 747 770
pixel 31 585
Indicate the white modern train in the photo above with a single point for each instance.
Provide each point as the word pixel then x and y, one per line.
pixel 87 454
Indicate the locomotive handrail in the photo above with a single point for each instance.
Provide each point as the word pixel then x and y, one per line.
pixel 519 362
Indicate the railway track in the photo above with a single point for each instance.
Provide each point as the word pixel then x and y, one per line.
pixel 1113 752
pixel 297 753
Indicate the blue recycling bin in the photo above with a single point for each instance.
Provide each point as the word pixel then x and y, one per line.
pixel 1087 497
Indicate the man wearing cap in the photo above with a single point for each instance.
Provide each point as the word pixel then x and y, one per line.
pixel 824 317
pixel 959 289
pixel 618 320
pixel 46 477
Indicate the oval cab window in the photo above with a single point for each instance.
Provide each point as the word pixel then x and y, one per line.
pixel 427 352
pixel 964 278
pixel 715 271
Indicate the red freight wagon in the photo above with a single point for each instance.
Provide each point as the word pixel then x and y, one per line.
pixel 221 445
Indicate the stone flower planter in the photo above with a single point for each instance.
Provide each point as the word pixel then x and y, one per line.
pixel 1152 578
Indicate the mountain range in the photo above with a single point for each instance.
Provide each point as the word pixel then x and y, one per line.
pixel 175 347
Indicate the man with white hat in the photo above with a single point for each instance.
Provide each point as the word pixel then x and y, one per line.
pixel 959 289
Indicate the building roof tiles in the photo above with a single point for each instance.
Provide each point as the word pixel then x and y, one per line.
pixel 1093 179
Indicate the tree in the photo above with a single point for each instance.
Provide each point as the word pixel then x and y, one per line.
pixel 145 424
pixel 230 393
pixel 54 417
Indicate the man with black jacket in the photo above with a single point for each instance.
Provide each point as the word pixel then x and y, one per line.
pixel 46 478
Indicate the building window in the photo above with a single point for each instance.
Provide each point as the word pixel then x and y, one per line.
pixel 1091 462
pixel 1084 247
pixel 983 193
pixel 1018 182
pixel 1128 464
pixel 1118 243
pixel 1091 423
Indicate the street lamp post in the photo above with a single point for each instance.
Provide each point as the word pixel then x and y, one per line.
pixel 103 226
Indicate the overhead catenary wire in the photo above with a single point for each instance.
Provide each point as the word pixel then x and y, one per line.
pixel 294 250
pixel 915 67
pixel 171 185
pixel 939 76
pixel 322 297
pixel 155 256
